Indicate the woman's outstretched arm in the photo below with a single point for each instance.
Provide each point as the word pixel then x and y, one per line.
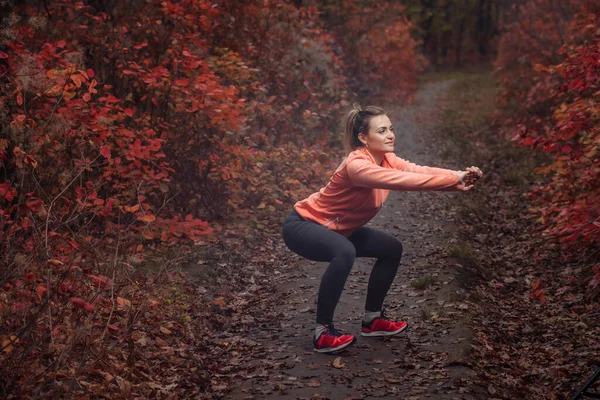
pixel 364 173
pixel 405 165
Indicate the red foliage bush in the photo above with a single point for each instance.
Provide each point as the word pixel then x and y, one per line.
pixel 94 104
pixel 549 64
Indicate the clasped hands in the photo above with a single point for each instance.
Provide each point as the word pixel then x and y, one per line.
pixel 469 177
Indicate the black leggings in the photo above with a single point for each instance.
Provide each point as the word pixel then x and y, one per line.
pixel 315 242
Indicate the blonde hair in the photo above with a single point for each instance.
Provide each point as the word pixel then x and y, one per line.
pixel 357 121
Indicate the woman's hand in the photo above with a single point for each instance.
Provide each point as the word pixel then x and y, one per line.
pixel 462 175
pixel 469 177
pixel 473 175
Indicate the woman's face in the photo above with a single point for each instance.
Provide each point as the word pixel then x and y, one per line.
pixel 380 138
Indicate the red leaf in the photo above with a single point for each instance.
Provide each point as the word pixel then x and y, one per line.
pixel 77 302
pixel 101 280
pixel 29 277
pixel 105 151
pixel 6 191
pixel 34 205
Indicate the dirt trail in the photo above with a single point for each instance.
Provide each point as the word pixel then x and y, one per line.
pixel 430 360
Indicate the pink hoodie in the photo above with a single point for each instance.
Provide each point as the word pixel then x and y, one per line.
pixel 359 186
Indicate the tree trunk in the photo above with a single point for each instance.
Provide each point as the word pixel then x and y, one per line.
pixel 458 42
pixel 484 27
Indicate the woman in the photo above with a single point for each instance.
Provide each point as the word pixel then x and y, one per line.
pixel 329 225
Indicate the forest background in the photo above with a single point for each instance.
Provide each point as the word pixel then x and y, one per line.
pixel 150 148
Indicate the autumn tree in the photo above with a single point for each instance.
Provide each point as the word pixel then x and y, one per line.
pixel 377 44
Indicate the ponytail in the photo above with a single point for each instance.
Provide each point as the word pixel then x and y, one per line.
pixel 357 121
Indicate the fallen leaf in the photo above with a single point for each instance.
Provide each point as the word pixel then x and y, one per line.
pixel 165 330
pixel 337 363
pixel 220 302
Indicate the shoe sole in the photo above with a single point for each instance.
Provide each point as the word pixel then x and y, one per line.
pixel 335 349
pixel 382 333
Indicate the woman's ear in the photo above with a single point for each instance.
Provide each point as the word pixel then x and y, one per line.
pixel 363 138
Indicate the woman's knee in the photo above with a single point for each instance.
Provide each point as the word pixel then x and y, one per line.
pixel 396 249
pixel 346 255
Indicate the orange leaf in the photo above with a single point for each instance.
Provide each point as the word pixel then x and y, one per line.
pixel 31 161
pixel 121 302
pixel 7 343
pixel 41 290
pixel 147 218
pixel 132 209
pixel 77 80
pixel 220 302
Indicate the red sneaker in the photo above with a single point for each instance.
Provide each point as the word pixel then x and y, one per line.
pixel 381 326
pixel 330 340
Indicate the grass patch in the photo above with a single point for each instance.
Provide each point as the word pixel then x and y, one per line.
pixel 424 282
pixel 466 318
pixel 474 204
pixel 514 177
pixel 463 251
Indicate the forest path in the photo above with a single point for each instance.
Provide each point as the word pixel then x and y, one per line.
pixel 430 359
